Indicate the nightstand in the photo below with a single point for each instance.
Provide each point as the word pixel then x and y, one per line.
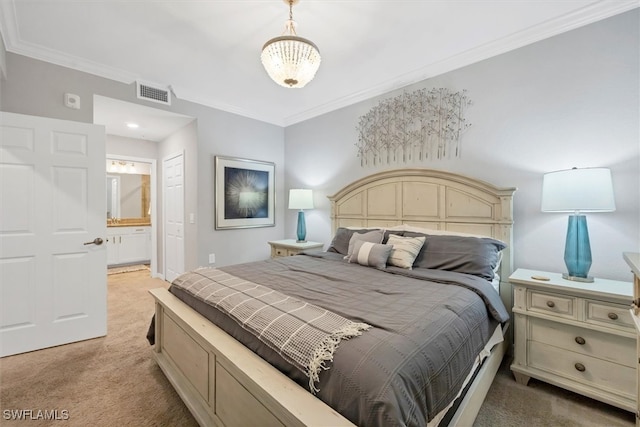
pixel 633 259
pixel 289 247
pixel 578 336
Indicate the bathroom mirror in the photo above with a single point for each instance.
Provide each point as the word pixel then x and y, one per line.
pixel 128 197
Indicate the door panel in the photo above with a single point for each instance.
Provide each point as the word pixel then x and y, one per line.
pixel 174 216
pixel 52 201
pixel 70 200
pixel 21 313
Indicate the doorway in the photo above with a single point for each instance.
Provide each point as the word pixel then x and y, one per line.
pixel 132 222
pixel 144 134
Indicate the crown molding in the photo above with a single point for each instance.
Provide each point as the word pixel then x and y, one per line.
pixel 595 12
pixel 14 44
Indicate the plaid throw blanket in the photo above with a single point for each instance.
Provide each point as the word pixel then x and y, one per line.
pixel 304 334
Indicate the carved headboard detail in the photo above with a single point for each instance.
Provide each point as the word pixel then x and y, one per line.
pixel 430 199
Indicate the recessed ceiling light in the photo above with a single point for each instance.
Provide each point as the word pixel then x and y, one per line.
pixel 133 125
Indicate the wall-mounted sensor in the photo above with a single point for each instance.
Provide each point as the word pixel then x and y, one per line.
pixel 72 100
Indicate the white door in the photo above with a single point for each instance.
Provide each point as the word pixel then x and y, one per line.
pixel 173 201
pixel 52 207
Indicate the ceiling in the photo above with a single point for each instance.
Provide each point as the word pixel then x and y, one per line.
pixel 208 51
pixel 151 124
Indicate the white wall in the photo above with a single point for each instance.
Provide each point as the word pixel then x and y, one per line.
pixel 131 147
pixel 571 100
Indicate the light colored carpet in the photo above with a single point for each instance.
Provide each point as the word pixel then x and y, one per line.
pixel 539 404
pixel 114 381
pixel 109 381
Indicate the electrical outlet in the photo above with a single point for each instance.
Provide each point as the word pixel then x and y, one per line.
pixel 212 258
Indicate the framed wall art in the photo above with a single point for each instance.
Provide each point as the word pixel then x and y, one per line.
pixel 244 193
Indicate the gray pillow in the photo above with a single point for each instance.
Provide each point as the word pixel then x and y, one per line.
pixel 370 254
pixel 372 236
pixel 471 255
pixel 340 242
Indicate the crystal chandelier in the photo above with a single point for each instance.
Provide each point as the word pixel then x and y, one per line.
pixel 291 61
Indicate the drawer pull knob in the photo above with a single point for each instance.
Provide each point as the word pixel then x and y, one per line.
pixel 613 316
pixel 580 367
pixel 580 341
pixel 551 304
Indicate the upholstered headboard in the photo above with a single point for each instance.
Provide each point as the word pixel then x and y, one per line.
pixel 430 199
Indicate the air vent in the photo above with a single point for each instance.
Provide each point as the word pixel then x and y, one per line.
pixel 153 93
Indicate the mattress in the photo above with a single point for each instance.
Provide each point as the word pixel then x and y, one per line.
pixel 428 329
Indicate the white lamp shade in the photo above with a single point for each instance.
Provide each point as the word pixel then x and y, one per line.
pixel 584 190
pixel 300 199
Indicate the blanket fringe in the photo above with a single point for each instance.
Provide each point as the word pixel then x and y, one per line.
pixel 324 353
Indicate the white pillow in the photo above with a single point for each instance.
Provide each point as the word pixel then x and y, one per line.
pixel 405 250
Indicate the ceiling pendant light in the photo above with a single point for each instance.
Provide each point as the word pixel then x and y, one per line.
pixel 291 61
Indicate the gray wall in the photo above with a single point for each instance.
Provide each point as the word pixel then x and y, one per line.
pixel 185 142
pixel 571 100
pixel 37 88
pixel 130 195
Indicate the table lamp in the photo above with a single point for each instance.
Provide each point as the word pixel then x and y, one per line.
pixel 301 199
pixel 578 190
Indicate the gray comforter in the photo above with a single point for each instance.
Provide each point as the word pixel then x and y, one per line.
pixel 428 328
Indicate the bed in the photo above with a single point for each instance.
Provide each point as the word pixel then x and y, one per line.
pixel 223 382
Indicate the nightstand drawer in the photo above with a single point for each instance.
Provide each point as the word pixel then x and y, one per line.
pixel 609 314
pixel 603 375
pixel 290 247
pixel 280 252
pixel 601 345
pixel 550 303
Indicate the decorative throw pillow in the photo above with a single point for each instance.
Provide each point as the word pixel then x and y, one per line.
pixel 340 241
pixel 370 254
pixel 405 250
pixel 374 236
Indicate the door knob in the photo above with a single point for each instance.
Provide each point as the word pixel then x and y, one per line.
pixel 96 241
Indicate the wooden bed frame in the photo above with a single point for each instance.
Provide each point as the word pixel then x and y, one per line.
pixel 225 384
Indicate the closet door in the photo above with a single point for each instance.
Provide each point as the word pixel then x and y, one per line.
pixel 173 202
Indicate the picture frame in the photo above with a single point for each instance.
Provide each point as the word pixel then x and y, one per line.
pixel 244 193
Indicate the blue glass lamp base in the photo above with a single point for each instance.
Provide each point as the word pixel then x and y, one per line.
pixel 302 228
pixel 577 250
pixel 588 279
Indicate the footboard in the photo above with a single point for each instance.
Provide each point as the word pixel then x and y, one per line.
pixel 221 381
